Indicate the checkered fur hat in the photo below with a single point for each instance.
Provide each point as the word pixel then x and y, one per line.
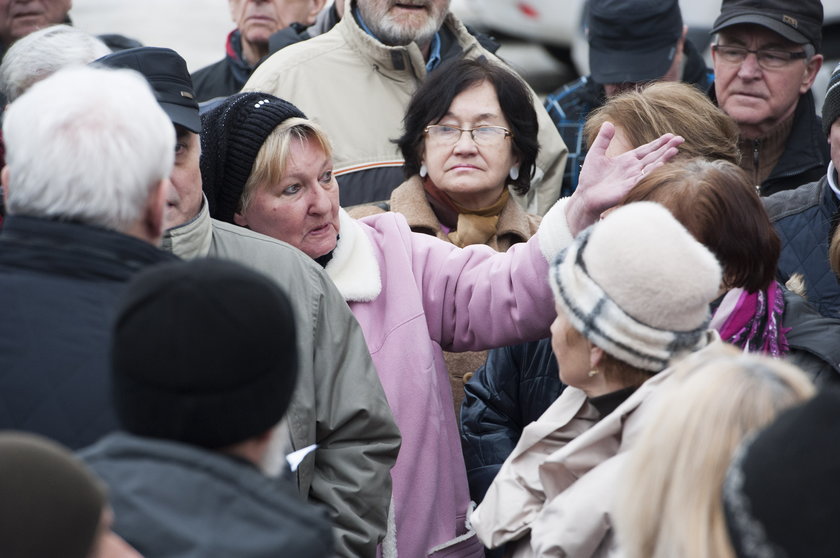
pixel 638 285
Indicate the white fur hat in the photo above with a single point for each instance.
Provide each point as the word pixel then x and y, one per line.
pixel 638 285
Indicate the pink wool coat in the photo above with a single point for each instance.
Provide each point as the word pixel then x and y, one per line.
pixel 415 296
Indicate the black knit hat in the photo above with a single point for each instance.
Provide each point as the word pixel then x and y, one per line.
pixel 204 352
pixel 781 494
pixel 232 134
pixel 50 504
pixel 831 103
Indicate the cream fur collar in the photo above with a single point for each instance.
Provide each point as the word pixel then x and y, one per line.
pixel 353 267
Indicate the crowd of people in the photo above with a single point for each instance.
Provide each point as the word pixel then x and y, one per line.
pixel 355 291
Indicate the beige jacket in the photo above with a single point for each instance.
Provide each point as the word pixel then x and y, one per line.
pixel 339 402
pixel 554 493
pixel 358 89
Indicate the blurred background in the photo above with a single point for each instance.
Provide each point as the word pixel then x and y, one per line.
pixel 541 39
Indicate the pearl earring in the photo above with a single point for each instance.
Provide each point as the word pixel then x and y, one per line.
pixel 423 170
pixel 593 373
pixel 514 172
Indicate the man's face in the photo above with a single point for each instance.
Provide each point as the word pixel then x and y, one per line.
pixel 400 22
pixel 756 98
pixel 183 200
pixel 19 18
pixel 258 19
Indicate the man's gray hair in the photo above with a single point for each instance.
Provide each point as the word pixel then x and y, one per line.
pixel 44 52
pixel 87 145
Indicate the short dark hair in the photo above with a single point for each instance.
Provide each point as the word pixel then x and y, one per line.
pixel 717 203
pixel 434 97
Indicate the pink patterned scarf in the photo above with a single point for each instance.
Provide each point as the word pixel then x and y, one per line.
pixel 753 321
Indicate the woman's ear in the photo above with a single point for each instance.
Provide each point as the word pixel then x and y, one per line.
pixel 596 354
pixel 240 219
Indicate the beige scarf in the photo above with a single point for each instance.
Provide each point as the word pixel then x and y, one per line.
pixel 477 226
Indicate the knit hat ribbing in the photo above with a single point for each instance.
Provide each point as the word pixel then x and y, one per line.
pixel 831 103
pixel 638 285
pixel 51 504
pixel 204 352
pixel 232 134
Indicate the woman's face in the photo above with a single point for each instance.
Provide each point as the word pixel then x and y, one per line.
pixel 572 350
pixel 301 209
pixel 472 175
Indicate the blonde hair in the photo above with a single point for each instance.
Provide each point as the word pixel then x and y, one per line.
pixel 670 501
pixel 270 163
pixel 670 107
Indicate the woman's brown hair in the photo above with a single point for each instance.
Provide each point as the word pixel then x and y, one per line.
pixel 670 107
pixel 718 205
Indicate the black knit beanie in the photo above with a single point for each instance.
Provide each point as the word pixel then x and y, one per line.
pixel 50 504
pixel 232 134
pixel 781 495
pixel 831 103
pixel 204 352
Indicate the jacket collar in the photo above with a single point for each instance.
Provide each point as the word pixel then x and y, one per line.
pixel 831 180
pixel 354 268
pixel 74 249
pixel 806 145
pixel 695 70
pixel 398 62
pixel 410 200
pixel 193 238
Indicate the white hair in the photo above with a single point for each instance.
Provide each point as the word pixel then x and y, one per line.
pixel 44 52
pixel 88 145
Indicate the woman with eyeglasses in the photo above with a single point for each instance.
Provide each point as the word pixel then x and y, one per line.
pixel 470 139
pixel 265 167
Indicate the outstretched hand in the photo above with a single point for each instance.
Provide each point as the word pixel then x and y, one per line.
pixel 605 180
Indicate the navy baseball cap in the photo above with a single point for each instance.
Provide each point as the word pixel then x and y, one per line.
pixel 167 73
pixel 632 41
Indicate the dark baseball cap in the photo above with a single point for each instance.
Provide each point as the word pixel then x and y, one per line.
pixel 799 21
pixel 167 73
pixel 632 40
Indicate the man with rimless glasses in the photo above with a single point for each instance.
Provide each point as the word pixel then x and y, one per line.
pixel 766 57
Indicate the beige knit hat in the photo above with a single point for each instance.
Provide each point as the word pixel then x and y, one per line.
pixel 638 285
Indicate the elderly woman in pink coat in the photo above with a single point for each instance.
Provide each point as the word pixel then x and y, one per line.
pixel 266 167
pixel 632 295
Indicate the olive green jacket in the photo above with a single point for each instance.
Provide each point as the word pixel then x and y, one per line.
pixel 339 403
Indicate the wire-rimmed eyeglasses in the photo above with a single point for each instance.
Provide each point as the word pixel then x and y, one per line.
pixel 481 135
pixel 769 59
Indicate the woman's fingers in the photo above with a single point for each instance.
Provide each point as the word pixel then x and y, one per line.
pixel 603 139
pixel 661 149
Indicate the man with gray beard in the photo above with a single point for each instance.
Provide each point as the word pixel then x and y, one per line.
pixel 356 81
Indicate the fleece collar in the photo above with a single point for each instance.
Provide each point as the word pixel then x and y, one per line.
pixel 353 267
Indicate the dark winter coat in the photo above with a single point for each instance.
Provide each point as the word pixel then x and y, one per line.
pixel 513 388
pixel 172 500
pixel 59 283
pixel 803 220
pixel 225 77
